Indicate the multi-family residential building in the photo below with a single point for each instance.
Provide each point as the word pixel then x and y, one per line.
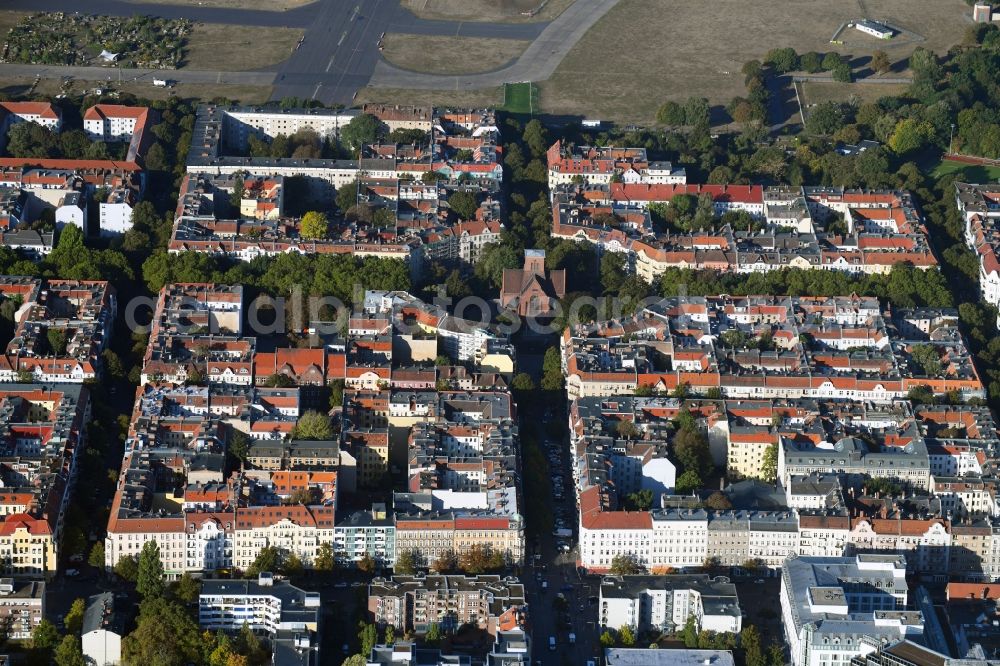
pixel 602 165
pixel 775 228
pixel 664 603
pixel 835 609
pixel 44 432
pixel 979 205
pixel 22 607
pixel 63 328
pixel 288 616
pixel 414 603
pixel 41 113
pixel 712 343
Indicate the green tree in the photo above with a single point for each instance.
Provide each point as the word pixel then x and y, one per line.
pixel 406 563
pixel 347 196
pixel 44 636
pixel 626 565
pixel 362 129
pixel 535 137
pixel 750 642
pixel 522 382
pixel 293 565
pixel 687 482
pixel 880 62
pixel 718 501
pixel 909 135
pixel 187 589
pixel 127 568
pixel 390 635
pixel 325 557
pixel 57 340
pixel 626 636
pixel 313 425
pixel 927 359
pixel 811 62
pixel 690 633
pixel 165 635
pixel 494 258
pixel 366 564
pixel 782 60
pixel 769 468
pixel 74 616
pixel 149 579
pixel 607 639
pixel 69 652
pixel 336 393
pixel 433 635
pixel 670 113
pixel 314 225
pixel 463 204
pixel 641 500
pixel 269 558
pixel 96 558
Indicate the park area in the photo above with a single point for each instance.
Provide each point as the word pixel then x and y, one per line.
pixel 58 38
pixel 640 55
pixel 969 173
pixel 450 55
pixel 487 11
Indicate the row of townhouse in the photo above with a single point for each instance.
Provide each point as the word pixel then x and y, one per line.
pixel 62 328
pixel 771 347
pixel 687 539
pixel 807 228
pixel 396 219
pixel 413 603
pixel 457 144
pixel 42 432
pixel 66 187
pixel 603 165
pixel 979 206
pixel 452 426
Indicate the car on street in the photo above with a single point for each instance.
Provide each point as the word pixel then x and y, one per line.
pixel 72 573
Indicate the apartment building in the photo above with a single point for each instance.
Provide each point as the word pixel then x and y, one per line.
pixel 414 603
pixel 22 607
pixel 665 603
pixel 41 113
pixel 979 205
pixel 835 609
pixel 593 165
pixel 288 616
pixel 43 428
pixel 783 227
pixel 63 327
pixel 711 344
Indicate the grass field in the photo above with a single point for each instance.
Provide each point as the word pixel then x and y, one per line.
pixel 263 5
pixel 520 98
pixel 823 91
pixel 217 46
pixel 457 98
pixel 450 55
pixel 972 173
pixel 640 54
pixel 492 11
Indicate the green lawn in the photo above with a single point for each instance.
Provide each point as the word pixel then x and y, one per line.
pixel 970 173
pixel 520 98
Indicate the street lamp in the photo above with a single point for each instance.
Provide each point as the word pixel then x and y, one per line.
pixel 951 136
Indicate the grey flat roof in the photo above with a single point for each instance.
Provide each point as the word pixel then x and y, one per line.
pixel 634 657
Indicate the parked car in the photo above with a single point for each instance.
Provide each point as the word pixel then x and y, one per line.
pixel 76 559
pixel 72 573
